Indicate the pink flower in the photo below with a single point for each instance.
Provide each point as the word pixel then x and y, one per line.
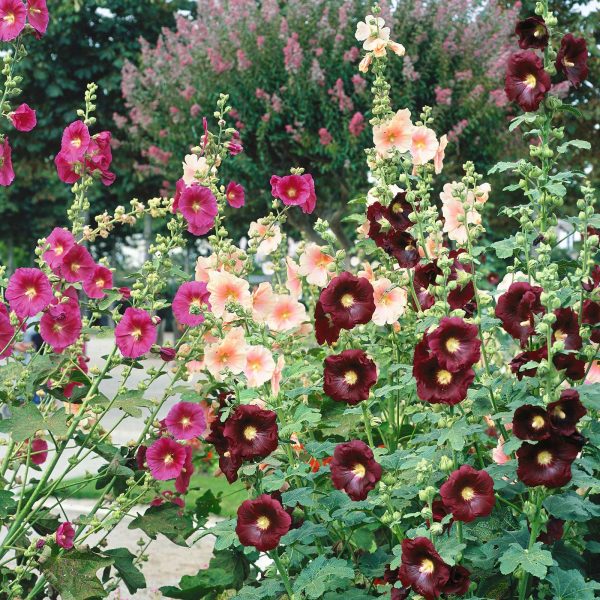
pixel 37 13
pixel 229 353
pixel 7 331
pixel 23 119
pixel 60 325
pixel 295 190
pixel 135 333
pixel 293 282
pixel 263 301
pixel 438 159
pixel 7 173
pixel 277 376
pixel 390 301
pixel 371 31
pixel 593 375
pixel 315 265
pixel 101 279
pixel 235 194
pixel 185 421
pixel 191 299
pixel 395 134
pixel 199 207
pixel 498 455
pixel 260 365
pixel 65 535
pixel 268 236
pixel 75 141
pixel 12 19
pixel 182 482
pixel 77 264
pixel 424 145
pixel 357 124
pixel 39 451
pixel 227 288
pixel 61 241
pixel 66 169
pixel 193 167
pixel 287 313
pixel 165 459
pixel 452 209
pixel 325 137
pixel 28 292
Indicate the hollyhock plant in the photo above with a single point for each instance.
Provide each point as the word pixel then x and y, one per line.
pixel 295 190
pixel 398 212
pixel 349 300
pixel 422 568
pixel 349 376
pixel 526 358
pixel 395 134
pixel 76 264
pixel 423 145
pixel 23 118
pixel 526 81
pixel 7 332
pixel 60 325
pixel 286 313
pixel 354 469
pixel 165 459
pixel 65 535
pixel 7 173
pixel 75 141
pixel 227 354
pixel 39 451
pixel 572 58
pixel 468 494
pixel 532 33
pixel 100 280
pixel 262 523
pixel 135 333
pixel 251 432
pixel 28 292
pixel 12 19
pixel 190 301
pixel 554 531
pixel 225 288
pixel 458 581
pixel 390 302
pixel 326 331
pixel 455 343
pixel 403 247
pixel 185 421
pixel 235 194
pixel 182 481
pixel 566 328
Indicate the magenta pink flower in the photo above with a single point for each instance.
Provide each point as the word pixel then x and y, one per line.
pixel 235 195
pixel 6 334
pixel 66 168
pixel 325 138
pixel 75 141
pixel 60 325
pixel 357 124
pixel 65 535
pixel 7 173
pixel 99 157
pixel 186 421
pixel 39 451
pixel 28 292
pixel 101 279
pixel 165 459
pixel 77 264
pixel 60 241
pixel 37 13
pixel 199 207
pixel 191 299
pixel 135 333
pixel 23 119
pixel 182 483
pixel 12 19
pixel 295 190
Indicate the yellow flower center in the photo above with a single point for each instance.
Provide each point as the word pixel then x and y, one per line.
pixel 9 18
pixel 468 494
pixel 185 422
pixel 397 208
pixel 57 328
pixel 427 566
pixel 559 412
pixel 250 433
pixel 196 207
pixel 347 300
pixel 168 459
pixel 100 283
pixel 420 144
pixel 75 267
pixel 537 422
pixel 292 193
pixel 136 334
pixel 444 377
pixel 560 335
pixel 263 523
pixel 359 470
pixel 544 458
pixel 452 345
pixel 530 81
pixel 568 63
pixel 31 293
pixel 539 31
pixel 58 250
pixel 76 142
pixel 350 377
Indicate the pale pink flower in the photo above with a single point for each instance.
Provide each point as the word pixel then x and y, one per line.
pixel 423 146
pixel 229 353
pixel 224 288
pixel 259 365
pixel 263 300
pixel 438 159
pixel 287 313
pixel 390 302
pixel 293 282
pixel 395 134
pixel 452 209
pixel 371 31
pixel 205 264
pixel 433 245
pixel 268 237
pixel 194 166
pixel 593 375
pixel 397 48
pixel 482 193
pixel 367 272
pixel 498 455
pixel 194 366
pixel 365 63
pixel 277 376
pixel 315 265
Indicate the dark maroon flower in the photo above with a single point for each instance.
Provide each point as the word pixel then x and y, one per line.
pixel 251 432
pixel 516 308
pixel 593 280
pixel 554 531
pixel 439 511
pixel 262 523
pixel 167 354
pixel 326 331
pixel 531 423
pixel 590 315
pixel 398 211
pixel 468 493
pixel 522 359
pixel 424 276
pixel 354 469
pixel 572 59
pixel 229 464
pixel 399 593
pixel 349 300
pixel 456 344
pixel 349 376
pixel 423 568
pixel 532 33
pixel 565 413
pixel 379 225
pixel 403 247
pixel 546 463
pixel 493 279
pixel 573 367
pixel 458 582
pixel 526 81
pixel 566 328
pixel 182 482
pixel 462 296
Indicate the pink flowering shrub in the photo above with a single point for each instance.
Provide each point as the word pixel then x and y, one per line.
pixel 402 423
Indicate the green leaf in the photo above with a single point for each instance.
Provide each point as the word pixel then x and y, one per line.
pixel 7 504
pixel 526 118
pixel 306 533
pixel 321 575
pixel 505 248
pixel 534 561
pixel 557 189
pixel 25 420
pixel 130 402
pixel 582 144
pixel 302 496
pixel 500 167
pixel 571 507
pixel 570 585
pixel 589 394
pixel 132 577
pixel 373 565
pixel 164 519
pixel 268 588
pixel 208 504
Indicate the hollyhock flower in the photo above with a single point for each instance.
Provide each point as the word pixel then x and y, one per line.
pixel 7 173
pixel 75 141
pixel 235 194
pixel 190 300
pixel 226 288
pixel 452 209
pixel 39 451
pixel 531 423
pixel 572 59
pixel 349 300
pixel 425 276
pixel 566 328
pixel 390 301
pixel 65 534
pixel 12 19
pixel 77 264
pixel 185 421
pixel 573 367
pixel 135 333
pixel 423 145
pixel 554 531
pixel 458 581
pixel 519 361
pixel 516 309
pixel 403 247
pixel 295 190
pixel 101 279
pixel 66 169
pixel 251 432
pixel 228 353
pixel 456 344
pixel 354 469
pixel 532 33
pixel 99 157
pixel 498 455
pixel 379 224
pixel 262 523
pixel 526 81
pixel 60 325
pixel 199 207
pixel 28 292
pixel 314 264
pixel 260 365
pixel 263 300
pixel 349 376
pixel 268 236
pixel 194 167
pixel 182 481
pixel 565 413
pixel 546 463
pixel 165 459
pixel 326 331
pixel 371 31
pixel 590 313
pixel 277 376
pixel 168 354
pixel 61 240
pixel 399 593
pixel 440 154
pixel 7 331
pixel 23 119
pixel 468 493
pixel 395 134
pixel 293 282
pixel 286 313
pixel 37 15
pixel 398 211
pixel 422 568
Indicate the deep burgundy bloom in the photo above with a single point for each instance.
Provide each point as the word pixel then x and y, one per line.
pixel 262 523
pixel 516 309
pixel 199 207
pixel 75 141
pixel 439 511
pixel 191 299
pixel 39 451
pixel 235 194
pixel 185 421
pixel 167 353
pixel 458 582
pixel 572 59
pixel 379 225
pixel 593 280
pixel 165 459
pixel 398 211
pixel 60 325
pixel 399 593
pixel 532 33
pixel 468 493
pixel 101 279
pixel 28 292
pixel 573 367
pixel 37 14
pixel 456 344
pixel 546 463
pixel 23 119
pixel 65 535
pixel 403 247
pixel 61 240
pixel 251 432
pixel 326 331
pixel 565 413
pixel 424 276
pixel 566 328
pixel 12 19
pixel 423 568
pixel 7 173
pixel 135 333
pixel 554 531
pixel 349 300
pixel 354 469
pixel 182 482
pixel 531 423
pixel 349 376
pixel 525 357
pixel 526 81
pixel 77 264
pixel 590 315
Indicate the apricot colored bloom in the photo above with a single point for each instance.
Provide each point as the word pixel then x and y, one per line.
pixel 396 48
pixel 423 145
pixel 367 273
pixel 315 265
pixel 498 454
pixel 371 31
pixel 263 300
pixel 277 376
pixel 260 365
pixel 482 193
pixel 390 301
pixel 227 288
pixel 229 353
pixel 440 154
pixel 287 313
pixel 379 48
pixel 395 134
pixel 293 282
pixel 268 237
pixel 452 209
pixel 365 63
pixel 193 167
pixel 593 375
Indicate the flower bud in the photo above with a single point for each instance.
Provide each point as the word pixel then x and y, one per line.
pixel 428 494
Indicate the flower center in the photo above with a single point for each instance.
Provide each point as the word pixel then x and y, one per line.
pixel 185 422
pixel 196 206
pixel 468 494
pixel 347 300
pixel 56 328
pixel 76 142
pixel 560 335
pixel 250 432
pixel 263 523
pixel 100 283
pixel 31 293
pixel 452 345
pixel 538 32
pixel 359 470
pixel 136 333
pixel 75 267
pixel 530 81
pixel 559 412
pixel 168 459
pixel 444 377
pixel 568 63
pixel 231 196
pixel 350 377
pixel 420 144
pixel 292 193
pixel 544 458
pixel 427 566
pixel 9 18
pixel 58 250
pixel 538 422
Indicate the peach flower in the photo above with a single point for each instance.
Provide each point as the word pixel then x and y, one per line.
pixel 593 375
pixel 194 166
pixel 395 134
pixel 315 265
pixel 390 301
pixel 287 313
pixel 268 237
pixel 365 63
pixel 277 376
pixel 259 365
pixel 438 159
pixel 423 145
pixel 229 353
pixel 263 300
pixel 293 283
pixel 204 264
pixel 371 31
pixel 227 288
pixel 498 455
pixel 452 209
